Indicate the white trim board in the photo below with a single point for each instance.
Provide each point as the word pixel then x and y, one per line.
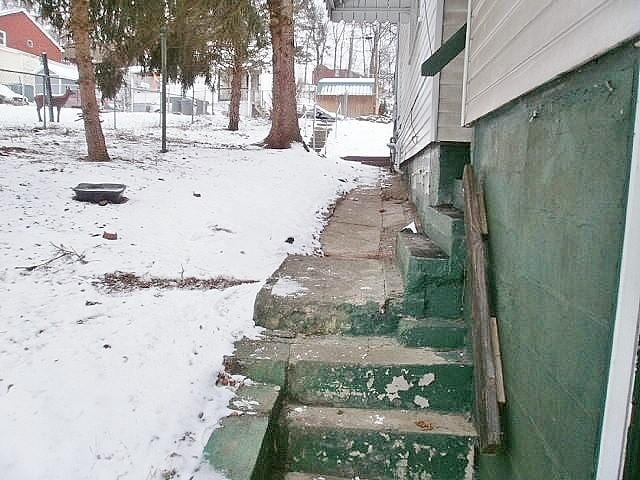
pixel 617 411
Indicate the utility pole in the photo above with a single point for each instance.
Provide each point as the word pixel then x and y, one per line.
pixel 47 94
pixel 163 100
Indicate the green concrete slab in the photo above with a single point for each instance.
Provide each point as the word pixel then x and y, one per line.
pixel 419 258
pixel 380 444
pixel 378 372
pixel 264 360
pixel 440 333
pixel 443 224
pixel 243 446
pixel 314 476
pixel 438 298
pixel 323 295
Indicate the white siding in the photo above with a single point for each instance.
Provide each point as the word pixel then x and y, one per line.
pixel 450 97
pixel 416 108
pixel 428 108
pixel 516 46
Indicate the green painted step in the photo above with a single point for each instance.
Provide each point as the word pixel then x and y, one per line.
pixel 432 287
pixel 392 444
pixel 442 333
pixel 262 360
pixel 314 476
pixel 243 446
pixel 458 195
pixel 444 224
pixel 378 372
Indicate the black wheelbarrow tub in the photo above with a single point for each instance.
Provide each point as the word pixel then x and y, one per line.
pixel 98 192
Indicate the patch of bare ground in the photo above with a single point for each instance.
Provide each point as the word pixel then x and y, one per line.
pixel 125 282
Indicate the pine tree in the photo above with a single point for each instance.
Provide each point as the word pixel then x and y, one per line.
pixel 74 16
pixel 284 117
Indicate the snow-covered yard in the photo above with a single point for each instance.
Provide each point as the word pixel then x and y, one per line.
pixel 121 385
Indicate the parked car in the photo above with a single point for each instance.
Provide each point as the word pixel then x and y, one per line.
pixel 9 96
pixel 321 114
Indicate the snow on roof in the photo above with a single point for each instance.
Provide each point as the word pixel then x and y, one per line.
pixel 61 70
pixel 13 11
pixel 347 80
pixel 346 86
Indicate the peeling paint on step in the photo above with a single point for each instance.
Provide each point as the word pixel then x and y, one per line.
pixel 426 380
pixel 398 384
pixel 421 401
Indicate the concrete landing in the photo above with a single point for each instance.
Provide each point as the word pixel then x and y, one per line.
pixel 352 288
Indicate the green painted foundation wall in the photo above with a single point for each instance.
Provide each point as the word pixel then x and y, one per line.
pixel 555 166
pixel 431 174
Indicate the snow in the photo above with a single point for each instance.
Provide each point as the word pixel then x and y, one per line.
pixel 287 287
pixel 359 138
pixel 99 385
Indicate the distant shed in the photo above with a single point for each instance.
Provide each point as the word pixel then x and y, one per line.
pixel 354 96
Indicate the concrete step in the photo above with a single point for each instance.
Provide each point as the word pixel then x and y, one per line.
pixel 243 448
pixel 444 224
pixel 439 333
pixel 325 295
pixel 458 195
pixel 432 287
pixel 314 476
pixel 262 360
pixel 390 444
pixel 378 372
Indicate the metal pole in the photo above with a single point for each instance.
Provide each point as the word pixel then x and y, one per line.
pixel 314 127
pixel 163 100
pixel 249 109
pixel 115 127
pixel 193 100
pixel 47 85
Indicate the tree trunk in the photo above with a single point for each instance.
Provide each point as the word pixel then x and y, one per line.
pixel 374 65
pixel 284 116
pixel 80 28
pixel 236 94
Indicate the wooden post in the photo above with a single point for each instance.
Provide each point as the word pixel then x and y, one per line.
pixel 47 94
pixel 487 409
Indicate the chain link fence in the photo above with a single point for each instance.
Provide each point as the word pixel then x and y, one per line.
pixel 138 94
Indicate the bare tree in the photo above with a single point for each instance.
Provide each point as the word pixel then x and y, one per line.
pixel 313 28
pixel 337 29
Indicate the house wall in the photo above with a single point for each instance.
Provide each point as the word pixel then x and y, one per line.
pixel 12 59
pixel 555 166
pixel 428 108
pixel 20 29
pixel 416 96
pixel 513 47
pixel 450 79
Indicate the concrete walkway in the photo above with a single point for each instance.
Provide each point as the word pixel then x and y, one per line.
pixel 364 389
pixel 341 291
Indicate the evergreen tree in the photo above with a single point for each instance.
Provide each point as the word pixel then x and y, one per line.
pixel 284 117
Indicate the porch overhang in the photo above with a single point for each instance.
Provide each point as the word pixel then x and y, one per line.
pixel 394 11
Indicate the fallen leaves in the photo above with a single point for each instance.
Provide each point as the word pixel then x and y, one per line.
pixel 124 281
pixel 424 425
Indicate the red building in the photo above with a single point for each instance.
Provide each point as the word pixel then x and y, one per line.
pixel 322 71
pixel 18 30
